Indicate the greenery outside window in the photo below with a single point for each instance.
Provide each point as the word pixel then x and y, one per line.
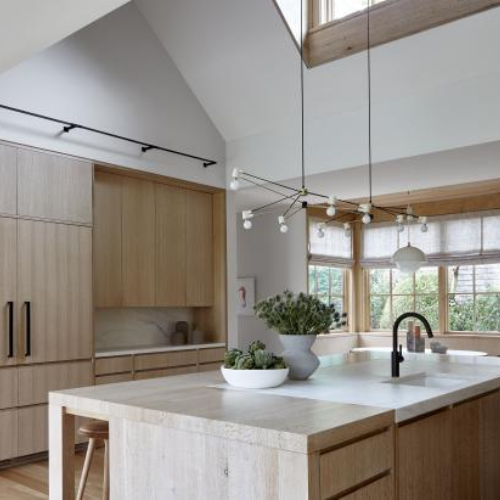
pixel 328 283
pixel 474 298
pixel 392 293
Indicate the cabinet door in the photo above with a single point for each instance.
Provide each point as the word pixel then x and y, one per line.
pixel 54 187
pixel 9 378
pixel 107 240
pixel 170 246
pixel 55 291
pixel 8 434
pixel 8 258
pixel 199 249
pixel 138 242
pixel 8 180
pixel 424 451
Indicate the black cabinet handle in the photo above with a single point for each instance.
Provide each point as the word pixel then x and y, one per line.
pixel 28 328
pixel 11 329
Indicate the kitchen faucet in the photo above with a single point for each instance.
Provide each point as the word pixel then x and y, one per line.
pixel 397 355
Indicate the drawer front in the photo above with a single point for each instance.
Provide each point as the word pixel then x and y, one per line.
pixel 8 434
pixel 8 387
pixel 167 372
pixel 211 355
pixel 381 489
pixel 107 366
pixel 209 367
pixel 114 379
pixel 348 466
pixel 35 382
pixel 165 360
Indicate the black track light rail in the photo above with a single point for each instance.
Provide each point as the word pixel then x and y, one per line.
pixel 69 126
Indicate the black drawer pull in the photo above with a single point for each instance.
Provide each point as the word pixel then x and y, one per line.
pixel 28 329
pixel 11 329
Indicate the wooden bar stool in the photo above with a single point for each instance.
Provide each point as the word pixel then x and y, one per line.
pixel 95 431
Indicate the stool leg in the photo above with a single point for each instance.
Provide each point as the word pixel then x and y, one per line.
pixel 105 492
pixel 86 469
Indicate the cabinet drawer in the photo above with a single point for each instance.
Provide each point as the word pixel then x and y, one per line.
pixel 348 466
pixel 35 382
pixel 165 360
pixel 182 370
pixel 107 366
pixel 8 434
pixel 209 367
pixel 8 387
pixel 381 489
pixel 211 355
pixel 114 379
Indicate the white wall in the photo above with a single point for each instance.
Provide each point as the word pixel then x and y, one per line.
pixel 116 76
pixel 277 261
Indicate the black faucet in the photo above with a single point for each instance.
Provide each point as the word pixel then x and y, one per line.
pixel 397 355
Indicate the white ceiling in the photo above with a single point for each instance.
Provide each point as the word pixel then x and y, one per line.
pixel 29 26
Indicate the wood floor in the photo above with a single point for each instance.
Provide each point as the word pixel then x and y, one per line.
pixel 29 482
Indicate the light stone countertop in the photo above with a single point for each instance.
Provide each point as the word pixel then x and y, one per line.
pixel 150 349
pixel 346 397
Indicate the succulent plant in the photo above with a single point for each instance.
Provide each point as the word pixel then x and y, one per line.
pixel 244 362
pixel 263 359
pixel 256 345
pixel 300 314
pixel 231 356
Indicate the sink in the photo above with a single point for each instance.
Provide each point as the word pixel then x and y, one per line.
pixel 433 380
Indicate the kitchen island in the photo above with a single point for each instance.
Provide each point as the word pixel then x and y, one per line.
pixel 350 432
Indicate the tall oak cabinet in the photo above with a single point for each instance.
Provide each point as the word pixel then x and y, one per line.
pixel 45 289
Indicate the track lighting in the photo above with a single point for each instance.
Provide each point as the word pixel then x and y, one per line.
pixel 246 215
pixel 283 225
pixel 320 233
pixel 234 185
pixel 332 209
pixel 423 222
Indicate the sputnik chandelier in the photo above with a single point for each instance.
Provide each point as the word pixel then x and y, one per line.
pixel 337 210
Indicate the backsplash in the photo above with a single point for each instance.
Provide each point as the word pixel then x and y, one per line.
pixel 133 327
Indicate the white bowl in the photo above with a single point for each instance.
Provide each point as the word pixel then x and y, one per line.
pixel 254 379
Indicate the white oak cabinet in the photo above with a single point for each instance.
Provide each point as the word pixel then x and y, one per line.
pixel 8 180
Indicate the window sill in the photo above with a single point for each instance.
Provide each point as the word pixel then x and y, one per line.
pixel 337 335
pixel 437 334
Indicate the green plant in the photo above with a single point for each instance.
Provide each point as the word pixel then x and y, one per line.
pixel 257 358
pixel 300 314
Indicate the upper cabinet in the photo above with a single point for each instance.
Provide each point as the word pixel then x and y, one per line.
pixel 8 180
pixel 199 249
pixel 138 242
pixel 54 187
pixel 153 244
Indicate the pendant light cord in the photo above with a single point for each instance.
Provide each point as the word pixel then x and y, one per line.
pixel 302 92
pixel 369 71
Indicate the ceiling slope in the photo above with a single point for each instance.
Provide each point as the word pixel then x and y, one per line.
pixel 29 26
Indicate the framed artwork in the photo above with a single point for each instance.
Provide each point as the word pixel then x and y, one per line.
pixel 245 294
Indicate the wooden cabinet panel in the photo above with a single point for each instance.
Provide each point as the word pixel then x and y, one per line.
pixel 489 431
pixel 382 489
pixel 211 355
pixel 425 458
pixel 166 372
pixel 55 277
pixel 209 367
pixel 107 240
pixel 35 382
pixel 138 242
pixel 466 450
pixel 170 246
pixel 8 434
pixel 165 360
pixel 54 187
pixel 372 457
pixel 8 285
pixel 199 249
pixel 8 180
pixel 119 364
pixel 113 379
pixel 9 387
pixel 33 430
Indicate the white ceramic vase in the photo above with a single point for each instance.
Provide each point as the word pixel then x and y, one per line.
pixel 298 355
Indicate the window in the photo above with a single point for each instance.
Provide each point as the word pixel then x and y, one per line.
pixel 331 10
pixel 474 298
pixel 392 293
pixel 327 283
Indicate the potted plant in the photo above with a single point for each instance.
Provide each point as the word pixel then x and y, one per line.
pixel 255 369
pixel 298 319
